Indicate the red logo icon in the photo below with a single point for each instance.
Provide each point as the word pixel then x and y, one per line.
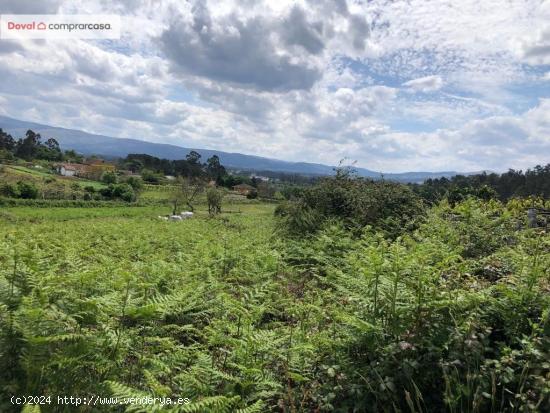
pixel 41 26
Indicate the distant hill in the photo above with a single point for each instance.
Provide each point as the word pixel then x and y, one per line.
pixel 88 143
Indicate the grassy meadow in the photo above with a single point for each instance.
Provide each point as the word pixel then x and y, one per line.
pixel 232 314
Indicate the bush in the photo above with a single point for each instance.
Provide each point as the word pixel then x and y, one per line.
pixel 150 177
pixel 122 191
pixel 109 177
pixel 107 192
pixel 357 202
pixel 9 190
pixel 27 190
pixel 214 200
pixel 135 183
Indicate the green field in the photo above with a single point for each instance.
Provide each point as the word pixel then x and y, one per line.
pixel 232 315
pixel 13 173
pixel 22 170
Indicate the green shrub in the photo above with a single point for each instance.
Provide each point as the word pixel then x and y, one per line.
pixel 27 190
pixel 9 190
pixel 214 200
pixel 150 176
pixel 109 177
pixel 135 182
pixel 252 194
pixel 121 191
pixel 357 202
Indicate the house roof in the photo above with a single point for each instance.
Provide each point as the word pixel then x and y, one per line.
pixel 243 186
pixel 73 166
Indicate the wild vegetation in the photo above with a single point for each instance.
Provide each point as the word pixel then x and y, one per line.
pixel 354 296
pixel 532 182
pixel 347 294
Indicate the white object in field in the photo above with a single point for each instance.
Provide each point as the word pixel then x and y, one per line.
pixel 175 218
pixel 186 214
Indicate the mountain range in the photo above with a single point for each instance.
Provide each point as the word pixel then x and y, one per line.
pixel 108 146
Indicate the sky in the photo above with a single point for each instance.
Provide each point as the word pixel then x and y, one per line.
pixel 394 85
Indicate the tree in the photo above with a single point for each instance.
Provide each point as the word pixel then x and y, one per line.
pixel 215 169
pixel 49 150
pixel 52 145
pixel 193 157
pixel 71 156
pixel 186 192
pixel 28 147
pixel 214 200
pixel 6 141
pixel 134 165
pixel 195 168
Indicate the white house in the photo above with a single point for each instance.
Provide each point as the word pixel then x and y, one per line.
pixel 67 170
pixel 71 169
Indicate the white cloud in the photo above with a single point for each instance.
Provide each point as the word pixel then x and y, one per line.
pixel 425 84
pixel 304 80
pixel 536 50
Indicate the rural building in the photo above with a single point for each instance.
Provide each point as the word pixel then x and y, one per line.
pixel 93 169
pixel 243 189
pixel 71 169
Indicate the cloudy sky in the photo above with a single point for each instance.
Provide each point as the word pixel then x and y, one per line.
pixel 396 85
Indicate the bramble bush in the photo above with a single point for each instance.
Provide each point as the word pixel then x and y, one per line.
pixel 357 202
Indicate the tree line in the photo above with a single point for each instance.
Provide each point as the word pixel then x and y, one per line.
pixel 512 184
pixel 153 169
pixel 30 147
